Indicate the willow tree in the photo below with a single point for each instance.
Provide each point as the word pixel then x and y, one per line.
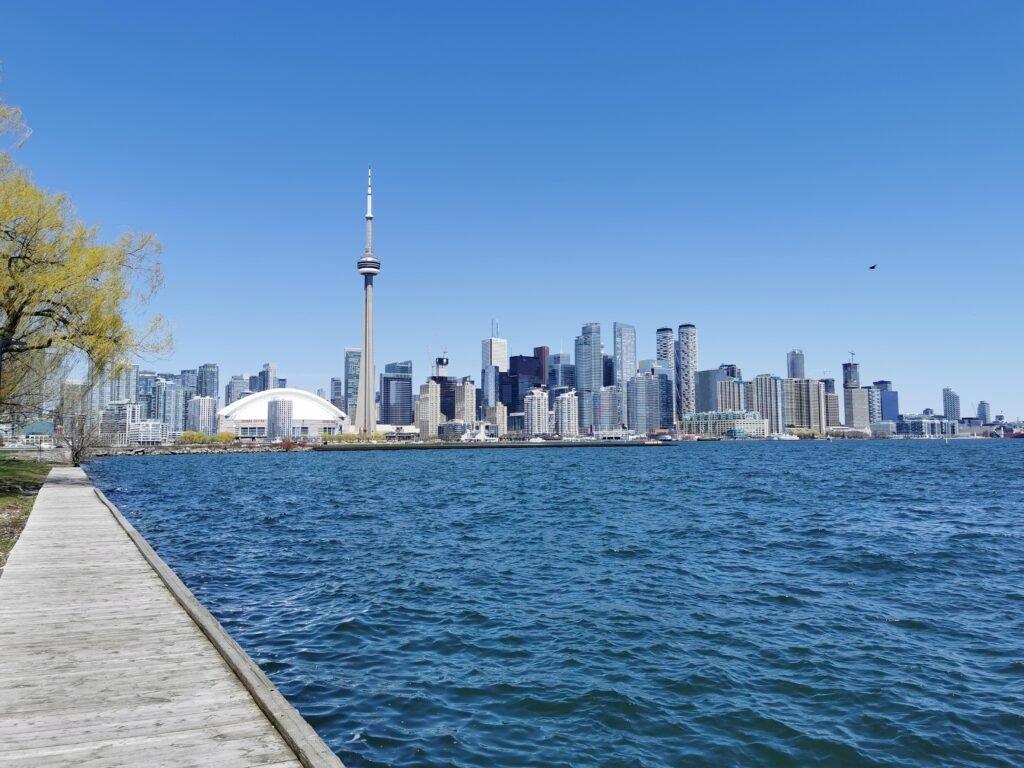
pixel 65 293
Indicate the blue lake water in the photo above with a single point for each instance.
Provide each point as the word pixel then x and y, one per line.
pixel 845 603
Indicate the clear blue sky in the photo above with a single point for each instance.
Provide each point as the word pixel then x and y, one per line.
pixel 737 165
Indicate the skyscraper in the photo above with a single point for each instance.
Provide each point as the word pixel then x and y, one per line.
pixel 855 403
pixel 985 412
pixel 644 403
pixel 686 369
pixel 731 395
pixel 851 375
pixel 202 414
pixel 795 364
pixel 624 362
pixel 428 410
pixel 368 266
pixel 890 400
pixel 494 351
pixel 764 395
pixel 706 387
pixel 352 360
pixel 208 381
pixel 606 409
pixel 542 354
pixel 665 345
pixel 235 389
pixel 535 412
pixel 804 405
pixel 396 394
pixel 950 404
pixel 567 418
pixel 279 419
pixel 267 377
pixel 589 372
pixel 465 401
pixel 338 393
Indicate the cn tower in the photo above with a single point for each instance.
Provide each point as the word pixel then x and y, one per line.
pixel 367 266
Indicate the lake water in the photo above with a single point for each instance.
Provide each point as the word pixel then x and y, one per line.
pixel 845 603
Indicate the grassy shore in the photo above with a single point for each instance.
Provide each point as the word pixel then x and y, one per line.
pixel 19 482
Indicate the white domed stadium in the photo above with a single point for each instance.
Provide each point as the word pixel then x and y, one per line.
pixel 281 413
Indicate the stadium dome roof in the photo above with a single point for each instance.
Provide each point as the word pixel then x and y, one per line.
pixel 305 406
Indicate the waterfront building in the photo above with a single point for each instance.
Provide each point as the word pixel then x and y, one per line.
pixel 950 404
pixel 731 370
pixel 606 409
pixel 254 383
pixel 874 404
pixel 984 412
pixel 116 420
pixel 644 403
pixel 764 396
pixel 396 394
pixel 465 401
pixel 855 402
pixel 589 372
pixel 189 380
pixel 428 410
pixel 607 371
pixel 830 386
pixel 832 418
pixel 535 412
pixel 453 431
pixel 310 416
pixel 119 384
pixel 497 415
pixel 731 395
pixel 561 371
pixel 686 369
pixel 735 424
pixel 279 418
pixel 516 425
pixel 524 374
pixel 925 425
pixel 148 432
pixel 202 414
pixel 169 404
pixel 804 405
pixel 494 351
pixel 706 388
pixel 890 400
pixel 883 429
pixel 144 392
pixel 353 358
pixel 369 267
pixel 490 385
pixel 236 388
pixel 795 364
pixel 208 381
pixel 624 362
pixel 665 352
pixel 567 414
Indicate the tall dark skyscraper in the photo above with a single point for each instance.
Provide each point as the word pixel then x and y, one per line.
pixel 589 372
pixel 607 370
pixel 851 375
pixel 208 380
pixel 396 394
pixel 447 385
pixel 890 400
pixel 795 364
pixel 542 353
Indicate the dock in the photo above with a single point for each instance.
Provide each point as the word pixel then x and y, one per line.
pixel 107 659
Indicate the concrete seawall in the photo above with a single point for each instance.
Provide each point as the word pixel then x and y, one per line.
pixel 107 659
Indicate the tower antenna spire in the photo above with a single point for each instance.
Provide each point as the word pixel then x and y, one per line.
pixel 369 210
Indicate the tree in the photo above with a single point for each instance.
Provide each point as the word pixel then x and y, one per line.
pixel 74 428
pixel 64 292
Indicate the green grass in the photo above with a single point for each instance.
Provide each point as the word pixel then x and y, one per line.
pixel 19 481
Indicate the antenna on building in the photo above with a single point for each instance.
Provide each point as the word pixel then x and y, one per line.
pixel 852 355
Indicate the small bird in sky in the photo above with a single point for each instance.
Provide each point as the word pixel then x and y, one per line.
pixel 872 266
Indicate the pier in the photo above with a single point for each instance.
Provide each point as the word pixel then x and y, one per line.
pixel 107 659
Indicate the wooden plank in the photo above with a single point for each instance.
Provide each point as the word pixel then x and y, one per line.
pixel 108 660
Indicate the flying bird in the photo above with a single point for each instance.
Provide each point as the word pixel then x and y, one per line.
pixel 872 266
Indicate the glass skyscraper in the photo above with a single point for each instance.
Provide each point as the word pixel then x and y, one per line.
pixel 624 362
pixel 352 359
pixel 396 394
pixel 589 372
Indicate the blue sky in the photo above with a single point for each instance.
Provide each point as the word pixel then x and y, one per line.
pixel 737 165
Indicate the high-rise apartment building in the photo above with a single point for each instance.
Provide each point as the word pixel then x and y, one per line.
pixel 686 369
pixel 985 412
pixel 890 400
pixel 804 405
pixel 428 410
pixel 606 409
pixel 535 412
pixel 623 361
pixel 874 404
pixel 236 388
pixel 665 352
pixel 795 364
pixel 832 418
pixel 567 417
pixel 497 415
pixel 950 404
pixel 267 377
pixel 589 372
pixel 465 401
pixel 279 419
pixel 731 395
pixel 851 375
pixel 208 381
pixel 202 414
pixel 644 403
pixel 353 357
pixel 337 393
pixel 855 402
pixel 764 395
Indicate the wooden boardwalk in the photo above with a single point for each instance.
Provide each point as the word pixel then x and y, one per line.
pixel 107 660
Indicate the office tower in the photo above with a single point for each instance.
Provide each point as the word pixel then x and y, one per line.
pixel 706 389
pixel 236 388
pixel 208 380
pixel 465 401
pixel 267 377
pixel 606 409
pixel 665 351
pixel 524 373
pixel 644 403
pixel 338 393
pixel 535 412
pixel 589 372
pixel 666 397
pixel 494 351
pixel 795 364
pixel 607 371
pixel 202 414
pixel 279 419
pixel 804 405
pixel 428 410
pixel 855 402
pixel 950 404
pixel 254 383
pixel 280 383
pixel 623 362
pixel 731 370
pixel 686 369
pixel 561 371
pixel 764 396
pixel 189 379
pixel 446 386
pixel 369 267
pixel 567 414
pixel 731 395
pixel 985 412
pixel 851 375
pixel 489 385
pixel 890 400
pixel 830 386
pixel 396 394
pixel 353 358
pixel 542 354
pixel 874 404
pixel 832 409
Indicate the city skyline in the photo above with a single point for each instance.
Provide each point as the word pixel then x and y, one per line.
pixel 508 167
